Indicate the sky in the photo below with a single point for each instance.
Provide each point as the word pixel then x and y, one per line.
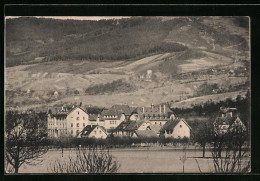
pixel 94 18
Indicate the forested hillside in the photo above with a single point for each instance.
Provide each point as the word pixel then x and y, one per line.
pixel 32 40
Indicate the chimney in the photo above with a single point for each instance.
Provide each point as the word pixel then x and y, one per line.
pixel 160 108
pixel 164 108
pixel 80 104
pixel 143 110
pixel 152 105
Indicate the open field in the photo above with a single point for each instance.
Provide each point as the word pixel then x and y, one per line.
pixel 139 161
pixel 203 99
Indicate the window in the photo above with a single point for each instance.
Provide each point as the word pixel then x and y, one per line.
pixel 180 126
pixel 77 132
pixel 83 118
pixel 115 122
pixel 77 124
pixel 71 124
pixel 78 112
pixel 71 131
pixel 83 124
pixel 77 118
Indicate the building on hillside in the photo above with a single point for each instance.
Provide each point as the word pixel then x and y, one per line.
pixel 177 128
pixel 66 121
pixel 115 115
pixel 157 115
pixel 93 131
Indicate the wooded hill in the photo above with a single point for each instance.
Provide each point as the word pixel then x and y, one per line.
pixel 32 40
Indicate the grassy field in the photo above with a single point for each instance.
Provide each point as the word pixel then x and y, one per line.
pixel 203 99
pixel 139 161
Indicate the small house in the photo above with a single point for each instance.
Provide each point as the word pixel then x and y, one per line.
pixel 177 128
pixel 93 131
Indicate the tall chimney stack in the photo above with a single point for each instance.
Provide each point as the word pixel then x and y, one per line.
pixel 143 110
pixel 164 108
pixel 160 108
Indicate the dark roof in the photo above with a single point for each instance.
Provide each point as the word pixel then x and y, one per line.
pixel 146 134
pixel 62 110
pixel 128 125
pixel 88 129
pixel 134 125
pixel 155 128
pixel 118 110
pixel 154 113
pixel 225 120
pixel 79 108
pixel 169 125
pixel 93 117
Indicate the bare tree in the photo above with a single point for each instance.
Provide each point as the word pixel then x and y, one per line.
pixel 232 162
pixel 24 138
pixel 86 161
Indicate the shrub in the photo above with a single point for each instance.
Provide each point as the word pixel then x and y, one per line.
pixel 91 161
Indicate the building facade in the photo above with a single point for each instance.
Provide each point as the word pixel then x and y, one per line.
pixel 177 128
pixel 66 122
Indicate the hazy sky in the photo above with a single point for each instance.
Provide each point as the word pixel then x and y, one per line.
pixel 96 18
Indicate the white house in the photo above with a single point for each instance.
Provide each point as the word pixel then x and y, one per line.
pixel 77 120
pixel 177 128
pixel 66 121
pixel 93 131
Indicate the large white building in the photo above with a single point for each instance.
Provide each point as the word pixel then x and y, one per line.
pixel 65 122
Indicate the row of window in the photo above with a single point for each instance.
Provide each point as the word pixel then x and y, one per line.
pixel 77 118
pixel 77 132
pixel 112 122
pixel 113 116
pixel 77 125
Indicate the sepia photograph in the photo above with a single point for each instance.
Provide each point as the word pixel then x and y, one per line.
pixel 127 94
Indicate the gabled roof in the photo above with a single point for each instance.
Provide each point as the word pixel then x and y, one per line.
pixel 155 128
pixel 88 129
pixel 76 108
pixel 170 125
pixel 94 117
pixel 118 110
pixel 146 134
pixel 63 110
pixel 129 125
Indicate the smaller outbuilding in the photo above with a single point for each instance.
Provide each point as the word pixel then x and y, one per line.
pixel 177 128
pixel 93 131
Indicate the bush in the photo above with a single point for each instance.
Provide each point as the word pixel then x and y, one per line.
pixel 91 161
